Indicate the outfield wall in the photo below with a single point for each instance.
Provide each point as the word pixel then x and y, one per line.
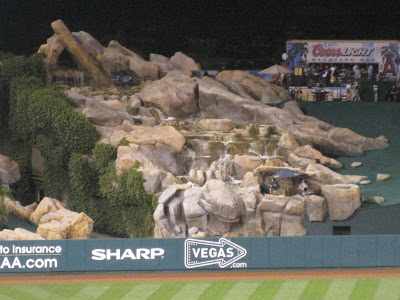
pixel 134 255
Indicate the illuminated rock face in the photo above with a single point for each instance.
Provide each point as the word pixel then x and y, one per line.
pixel 216 135
pixel 342 200
pixel 218 210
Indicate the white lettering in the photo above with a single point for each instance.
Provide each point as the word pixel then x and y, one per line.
pixel 5 263
pixel 128 254
pixel 156 252
pixel 213 252
pixel 230 252
pixel 4 250
pixel 204 252
pixel 98 254
pixel 110 254
pixel 36 249
pixel 143 252
pixel 221 253
pixel 41 263
pixel 196 252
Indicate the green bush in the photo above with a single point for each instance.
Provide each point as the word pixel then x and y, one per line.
pixel 119 204
pixel 130 202
pixel 42 117
pixel 17 65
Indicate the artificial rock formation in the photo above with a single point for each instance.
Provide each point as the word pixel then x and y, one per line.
pixel 53 219
pixel 19 234
pixel 342 200
pixel 9 171
pixel 81 55
pixel 220 138
pixel 217 210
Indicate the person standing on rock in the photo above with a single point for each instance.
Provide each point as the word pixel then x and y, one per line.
pixel 275 187
pixel 303 188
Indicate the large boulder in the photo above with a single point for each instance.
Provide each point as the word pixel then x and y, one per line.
pixel 45 206
pixel 19 234
pixel 348 136
pixel 9 170
pixel 175 95
pixel 99 113
pixel 126 59
pixel 291 225
pixel 316 208
pixel 91 45
pixel 145 135
pixel 249 179
pixel 296 206
pixel 272 223
pixel 219 200
pixel 248 162
pixel 80 225
pixel 273 203
pixel 325 175
pixel 307 151
pixel 54 230
pixel 300 162
pixel 152 157
pixel 219 103
pixel 224 125
pixel 195 215
pixel 161 62
pixel 249 86
pixel 287 141
pixel 16 208
pixel 182 62
pixel 127 156
pixel 342 200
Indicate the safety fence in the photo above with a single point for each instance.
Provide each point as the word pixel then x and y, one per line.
pixel 137 255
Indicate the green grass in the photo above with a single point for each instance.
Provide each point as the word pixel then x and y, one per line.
pixel 352 288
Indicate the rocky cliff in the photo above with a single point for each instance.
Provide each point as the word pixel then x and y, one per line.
pixel 206 144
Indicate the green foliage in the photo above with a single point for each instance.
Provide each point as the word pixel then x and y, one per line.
pixel 42 117
pixel 130 201
pixel 103 154
pixel 119 204
pixel 123 142
pixel 17 65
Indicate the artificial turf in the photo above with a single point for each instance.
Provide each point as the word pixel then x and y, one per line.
pixel 350 288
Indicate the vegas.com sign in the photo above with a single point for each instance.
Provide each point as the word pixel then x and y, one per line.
pixel 135 255
pixel 120 255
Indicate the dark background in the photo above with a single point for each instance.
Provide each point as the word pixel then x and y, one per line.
pixel 235 34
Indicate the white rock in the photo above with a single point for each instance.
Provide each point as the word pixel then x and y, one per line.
pixel 382 177
pixel 375 199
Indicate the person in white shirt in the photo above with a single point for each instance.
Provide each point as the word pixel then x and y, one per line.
pixel 370 72
pixel 303 188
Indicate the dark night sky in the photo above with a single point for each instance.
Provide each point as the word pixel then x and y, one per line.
pixel 166 26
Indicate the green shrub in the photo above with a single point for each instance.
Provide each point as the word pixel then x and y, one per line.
pixel 129 200
pixel 119 204
pixel 17 65
pixel 42 117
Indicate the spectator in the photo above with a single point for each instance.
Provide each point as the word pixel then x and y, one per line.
pixel 303 188
pixel 275 187
pixel 264 188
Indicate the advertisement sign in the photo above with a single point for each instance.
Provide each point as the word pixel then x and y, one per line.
pixel 384 53
pixel 224 253
pixel 212 254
